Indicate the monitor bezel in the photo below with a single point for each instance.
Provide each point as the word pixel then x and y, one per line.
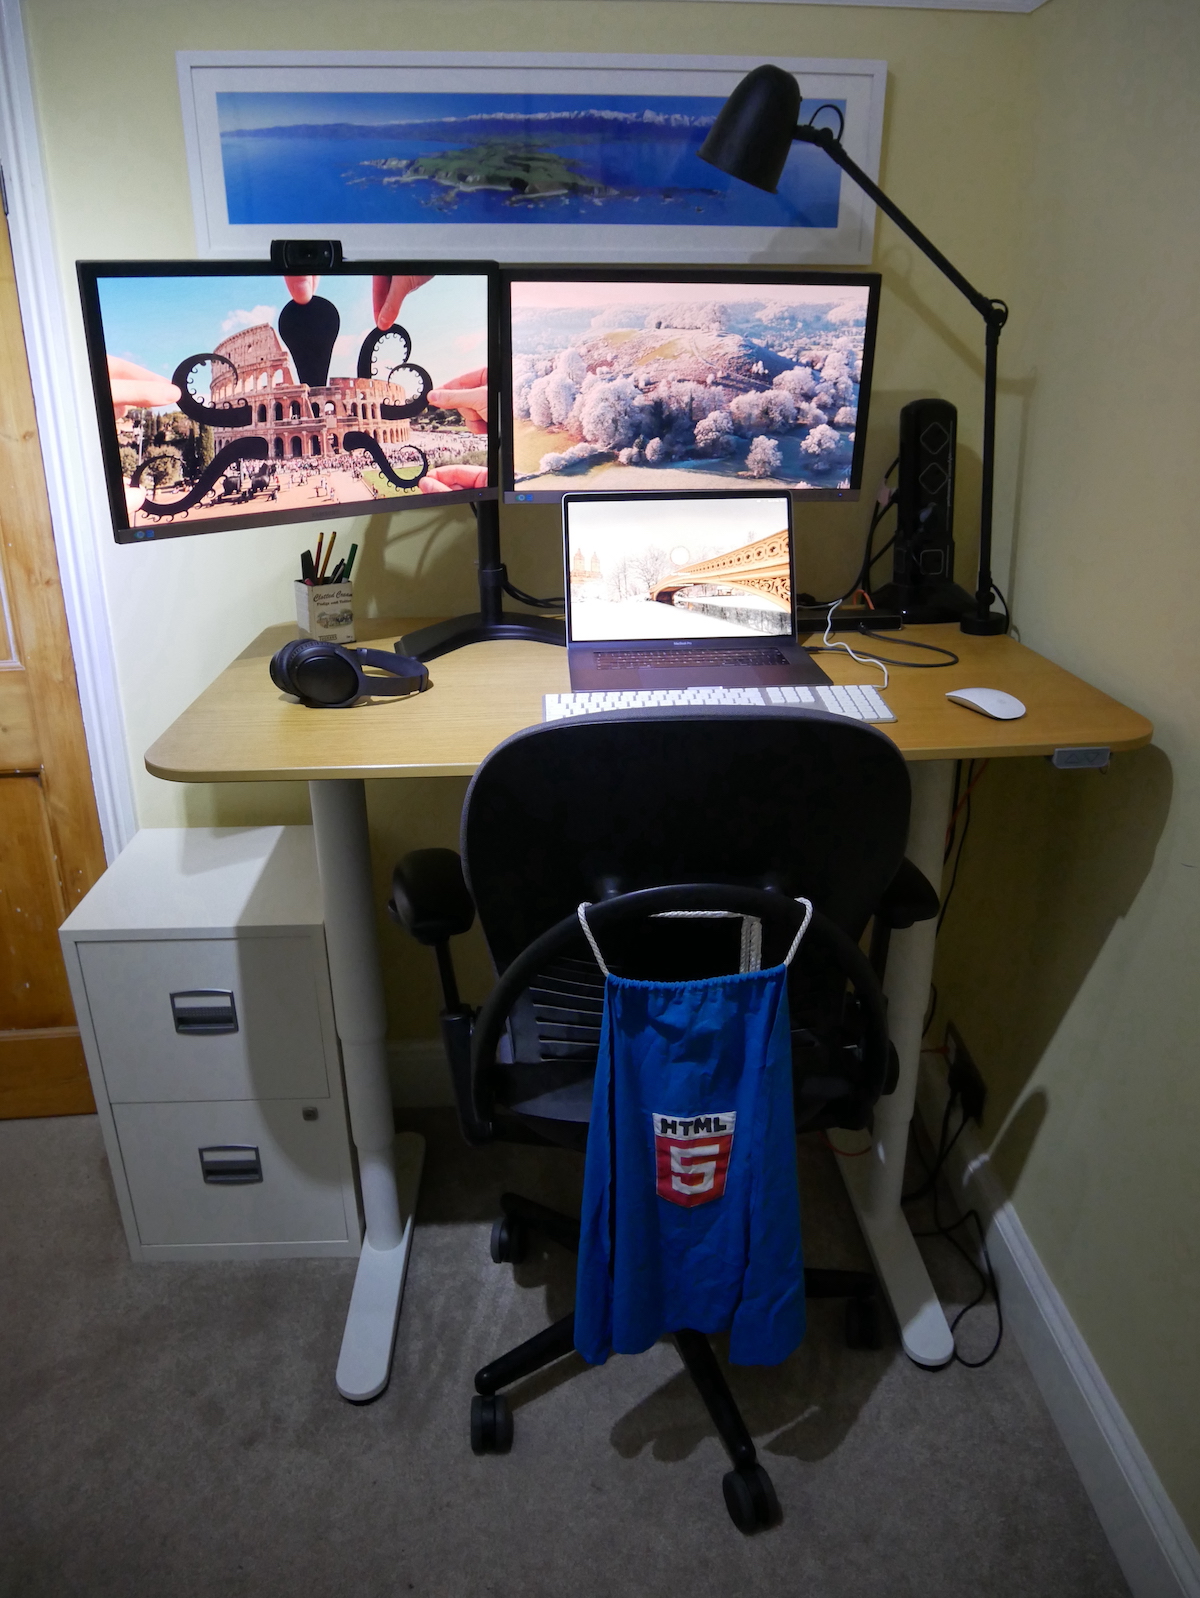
pixel 510 274
pixel 641 497
pixel 89 274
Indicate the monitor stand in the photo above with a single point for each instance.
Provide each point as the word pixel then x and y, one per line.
pixel 490 621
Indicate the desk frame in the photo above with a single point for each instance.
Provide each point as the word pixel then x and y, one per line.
pixel 242 730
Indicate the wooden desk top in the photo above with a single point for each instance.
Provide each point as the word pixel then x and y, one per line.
pixel 242 729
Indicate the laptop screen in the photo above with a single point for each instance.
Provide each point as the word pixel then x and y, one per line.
pixel 696 566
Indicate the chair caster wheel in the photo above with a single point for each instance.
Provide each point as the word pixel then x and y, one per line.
pixel 510 1241
pixel 491 1425
pixel 864 1323
pixel 750 1499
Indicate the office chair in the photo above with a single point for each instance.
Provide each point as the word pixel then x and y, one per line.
pixel 739 811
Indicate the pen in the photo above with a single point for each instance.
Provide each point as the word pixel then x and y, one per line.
pixel 328 552
pixel 349 562
pixel 335 575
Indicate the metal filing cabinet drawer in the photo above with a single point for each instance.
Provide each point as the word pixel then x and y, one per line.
pixel 201 982
pixel 248 1172
pixel 215 1018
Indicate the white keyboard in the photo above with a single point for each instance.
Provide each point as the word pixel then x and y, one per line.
pixel 858 703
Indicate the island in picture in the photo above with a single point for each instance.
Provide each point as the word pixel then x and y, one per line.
pixel 473 156
pixel 620 385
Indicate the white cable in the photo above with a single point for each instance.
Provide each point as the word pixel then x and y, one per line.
pixel 865 660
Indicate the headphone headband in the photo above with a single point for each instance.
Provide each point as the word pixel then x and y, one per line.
pixel 327 676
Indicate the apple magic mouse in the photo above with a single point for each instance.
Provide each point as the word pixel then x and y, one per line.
pixel 988 702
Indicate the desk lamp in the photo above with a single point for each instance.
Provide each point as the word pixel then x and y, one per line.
pixel 750 140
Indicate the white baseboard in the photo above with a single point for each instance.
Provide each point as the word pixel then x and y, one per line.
pixel 1149 1539
pixel 419 1075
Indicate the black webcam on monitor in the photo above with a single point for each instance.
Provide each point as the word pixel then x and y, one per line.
pixel 305 255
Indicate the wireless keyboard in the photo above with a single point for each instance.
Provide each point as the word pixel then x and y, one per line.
pixel 858 703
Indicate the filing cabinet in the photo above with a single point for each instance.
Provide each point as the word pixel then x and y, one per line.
pixel 198 969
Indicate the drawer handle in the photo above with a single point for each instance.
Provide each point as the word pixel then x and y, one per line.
pixel 204 1011
pixel 227 1164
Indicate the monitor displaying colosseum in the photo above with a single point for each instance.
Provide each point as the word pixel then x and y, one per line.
pixel 235 402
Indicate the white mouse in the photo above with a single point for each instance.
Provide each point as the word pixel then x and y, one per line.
pixel 988 702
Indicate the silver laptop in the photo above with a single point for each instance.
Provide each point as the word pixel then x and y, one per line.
pixel 682 591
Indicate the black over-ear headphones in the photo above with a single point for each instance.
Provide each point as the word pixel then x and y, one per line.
pixel 325 676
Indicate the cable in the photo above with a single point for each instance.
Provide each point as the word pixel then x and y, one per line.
pixel 837 111
pixel 947 1229
pixel 962 844
pixel 1000 596
pixel 825 647
pixel 527 599
pixel 952 824
pixel 911 643
pixel 942 1155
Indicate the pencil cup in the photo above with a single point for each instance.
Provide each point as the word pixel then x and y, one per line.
pixel 326 611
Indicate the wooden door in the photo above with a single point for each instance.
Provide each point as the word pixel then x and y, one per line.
pixel 50 845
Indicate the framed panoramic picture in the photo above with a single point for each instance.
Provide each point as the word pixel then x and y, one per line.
pixel 552 158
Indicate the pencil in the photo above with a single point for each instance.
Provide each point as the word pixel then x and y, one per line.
pixel 317 556
pixel 328 552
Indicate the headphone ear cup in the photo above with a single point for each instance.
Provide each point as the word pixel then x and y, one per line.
pixel 281 664
pixel 325 675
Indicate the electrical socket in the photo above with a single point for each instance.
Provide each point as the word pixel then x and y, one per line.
pixel 964 1075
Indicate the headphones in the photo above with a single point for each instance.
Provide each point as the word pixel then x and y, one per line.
pixel 325 676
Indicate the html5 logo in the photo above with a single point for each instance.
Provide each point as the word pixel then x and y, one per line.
pixel 691 1155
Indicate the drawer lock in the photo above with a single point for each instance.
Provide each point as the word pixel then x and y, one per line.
pixel 204 1011
pixel 226 1164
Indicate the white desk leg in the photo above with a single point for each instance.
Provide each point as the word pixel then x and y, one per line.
pixel 875 1181
pixel 389 1165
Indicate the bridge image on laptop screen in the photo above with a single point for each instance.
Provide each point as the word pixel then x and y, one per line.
pixel 678 568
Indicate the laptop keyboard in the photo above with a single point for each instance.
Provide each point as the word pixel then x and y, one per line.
pixel 641 659
pixel 856 703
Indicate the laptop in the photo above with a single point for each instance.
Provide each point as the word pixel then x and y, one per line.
pixel 682 591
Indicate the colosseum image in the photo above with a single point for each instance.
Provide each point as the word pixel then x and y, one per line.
pixel 298 421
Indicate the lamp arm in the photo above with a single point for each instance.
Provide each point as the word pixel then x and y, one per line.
pixel 824 139
pixel 994 314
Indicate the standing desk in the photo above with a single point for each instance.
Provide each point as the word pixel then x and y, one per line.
pixel 241 729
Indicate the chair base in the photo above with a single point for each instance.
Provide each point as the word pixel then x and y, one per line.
pixel 749 1496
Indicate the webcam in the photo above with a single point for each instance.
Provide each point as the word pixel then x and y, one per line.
pixel 305 255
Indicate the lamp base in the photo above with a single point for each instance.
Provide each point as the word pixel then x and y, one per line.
pixel 990 626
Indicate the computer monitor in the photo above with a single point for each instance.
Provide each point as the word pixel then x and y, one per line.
pixel 669 379
pixel 230 396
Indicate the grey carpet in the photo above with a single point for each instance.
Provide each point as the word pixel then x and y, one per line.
pixel 173 1430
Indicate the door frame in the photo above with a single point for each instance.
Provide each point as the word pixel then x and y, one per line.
pixel 78 507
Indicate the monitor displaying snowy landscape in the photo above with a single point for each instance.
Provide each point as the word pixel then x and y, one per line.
pixel 621 385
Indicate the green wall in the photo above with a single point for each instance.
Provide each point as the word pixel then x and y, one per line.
pixel 1053 158
pixel 1069 960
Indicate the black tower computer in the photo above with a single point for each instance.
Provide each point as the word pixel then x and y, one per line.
pixel 922 588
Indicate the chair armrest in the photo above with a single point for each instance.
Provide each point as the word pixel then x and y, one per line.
pixel 908 898
pixel 429 896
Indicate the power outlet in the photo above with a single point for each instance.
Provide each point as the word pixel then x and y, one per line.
pixel 964 1075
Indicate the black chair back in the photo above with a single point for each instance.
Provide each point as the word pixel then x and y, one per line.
pixel 802 804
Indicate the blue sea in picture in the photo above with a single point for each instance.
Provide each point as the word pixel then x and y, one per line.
pixel 498 158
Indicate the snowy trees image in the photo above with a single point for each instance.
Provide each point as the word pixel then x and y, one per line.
pixel 649 386
pixel 764 458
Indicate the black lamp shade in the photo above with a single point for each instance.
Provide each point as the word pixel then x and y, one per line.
pixel 753 132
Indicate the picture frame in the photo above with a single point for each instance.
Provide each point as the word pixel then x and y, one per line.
pixel 513 157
